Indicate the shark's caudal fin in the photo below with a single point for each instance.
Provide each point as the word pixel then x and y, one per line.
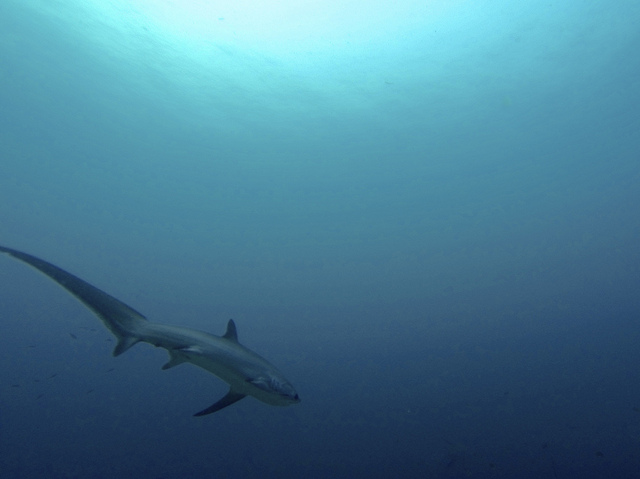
pixel 121 319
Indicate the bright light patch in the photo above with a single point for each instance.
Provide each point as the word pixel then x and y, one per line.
pixel 278 55
pixel 327 30
pixel 291 24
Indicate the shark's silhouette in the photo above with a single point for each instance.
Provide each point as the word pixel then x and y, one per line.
pixel 247 373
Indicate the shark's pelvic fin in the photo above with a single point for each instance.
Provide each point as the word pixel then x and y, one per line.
pixel 230 398
pixel 124 343
pixel 175 358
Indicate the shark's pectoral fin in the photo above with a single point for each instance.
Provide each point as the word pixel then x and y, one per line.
pixel 175 358
pixel 227 400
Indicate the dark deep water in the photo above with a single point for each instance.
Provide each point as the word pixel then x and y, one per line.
pixel 434 234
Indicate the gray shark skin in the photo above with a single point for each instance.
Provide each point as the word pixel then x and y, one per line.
pixel 247 373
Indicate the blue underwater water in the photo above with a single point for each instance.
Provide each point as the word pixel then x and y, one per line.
pixel 427 215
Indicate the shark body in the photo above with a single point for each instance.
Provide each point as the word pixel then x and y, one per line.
pixel 247 373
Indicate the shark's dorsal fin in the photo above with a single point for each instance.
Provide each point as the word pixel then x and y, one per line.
pixel 227 400
pixel 232 332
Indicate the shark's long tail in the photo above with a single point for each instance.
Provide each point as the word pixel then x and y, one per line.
pixel 123 321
